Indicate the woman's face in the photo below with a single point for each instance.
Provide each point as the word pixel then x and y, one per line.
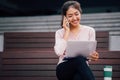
pixel 73 15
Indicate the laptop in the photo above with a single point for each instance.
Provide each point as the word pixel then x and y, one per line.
pixel 83 48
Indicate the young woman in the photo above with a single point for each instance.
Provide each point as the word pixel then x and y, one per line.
pixel 73 68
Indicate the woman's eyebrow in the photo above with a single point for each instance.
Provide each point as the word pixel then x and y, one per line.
pixel 69 14
pixel 77 12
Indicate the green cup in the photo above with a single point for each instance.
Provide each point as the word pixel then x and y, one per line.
pixel 107 72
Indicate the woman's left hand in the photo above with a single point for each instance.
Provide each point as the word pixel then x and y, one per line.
pixel 94 56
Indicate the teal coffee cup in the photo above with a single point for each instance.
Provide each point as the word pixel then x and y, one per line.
pixel 107 72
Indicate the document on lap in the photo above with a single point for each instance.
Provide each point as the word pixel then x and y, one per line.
pixel 84 48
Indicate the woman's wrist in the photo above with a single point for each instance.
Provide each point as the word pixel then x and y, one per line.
pixel 65 37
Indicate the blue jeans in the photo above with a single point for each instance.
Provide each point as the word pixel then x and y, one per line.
pixel 74 69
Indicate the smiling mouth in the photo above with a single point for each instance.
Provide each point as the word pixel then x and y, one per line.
pixel 75 22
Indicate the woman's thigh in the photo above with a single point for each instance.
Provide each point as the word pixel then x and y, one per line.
pixel 66 70
pixel 84 70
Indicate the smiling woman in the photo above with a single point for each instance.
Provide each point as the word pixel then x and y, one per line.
pixel 73 67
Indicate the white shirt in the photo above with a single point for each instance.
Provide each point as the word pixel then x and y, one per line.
pixel 85 33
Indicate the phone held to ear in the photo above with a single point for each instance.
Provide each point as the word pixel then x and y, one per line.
pixel 67 23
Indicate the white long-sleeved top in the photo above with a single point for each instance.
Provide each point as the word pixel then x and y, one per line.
pixel 85 33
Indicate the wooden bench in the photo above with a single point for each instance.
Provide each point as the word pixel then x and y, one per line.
pixel 30 55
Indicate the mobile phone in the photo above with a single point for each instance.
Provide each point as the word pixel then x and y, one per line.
pixel 67 24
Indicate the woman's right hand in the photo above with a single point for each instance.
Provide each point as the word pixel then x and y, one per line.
pixel 67 28
pixel 66 25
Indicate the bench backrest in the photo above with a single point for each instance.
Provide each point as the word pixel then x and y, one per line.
pixel 44 40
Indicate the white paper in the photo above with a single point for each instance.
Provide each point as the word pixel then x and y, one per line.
pixel 83 48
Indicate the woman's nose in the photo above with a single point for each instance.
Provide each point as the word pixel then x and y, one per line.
pixel 74 17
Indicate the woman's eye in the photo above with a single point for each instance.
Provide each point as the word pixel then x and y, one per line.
pixel 76 14
pixel 69 16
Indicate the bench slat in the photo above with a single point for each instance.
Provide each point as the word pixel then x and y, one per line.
pixel 51 54
pixel 54 61
pixel 48 73
pixel 28 78
pixel 29 34
pixel 36 67
pixel 30 40
pixel 30 61
pixel 31 67
pixel 106 61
